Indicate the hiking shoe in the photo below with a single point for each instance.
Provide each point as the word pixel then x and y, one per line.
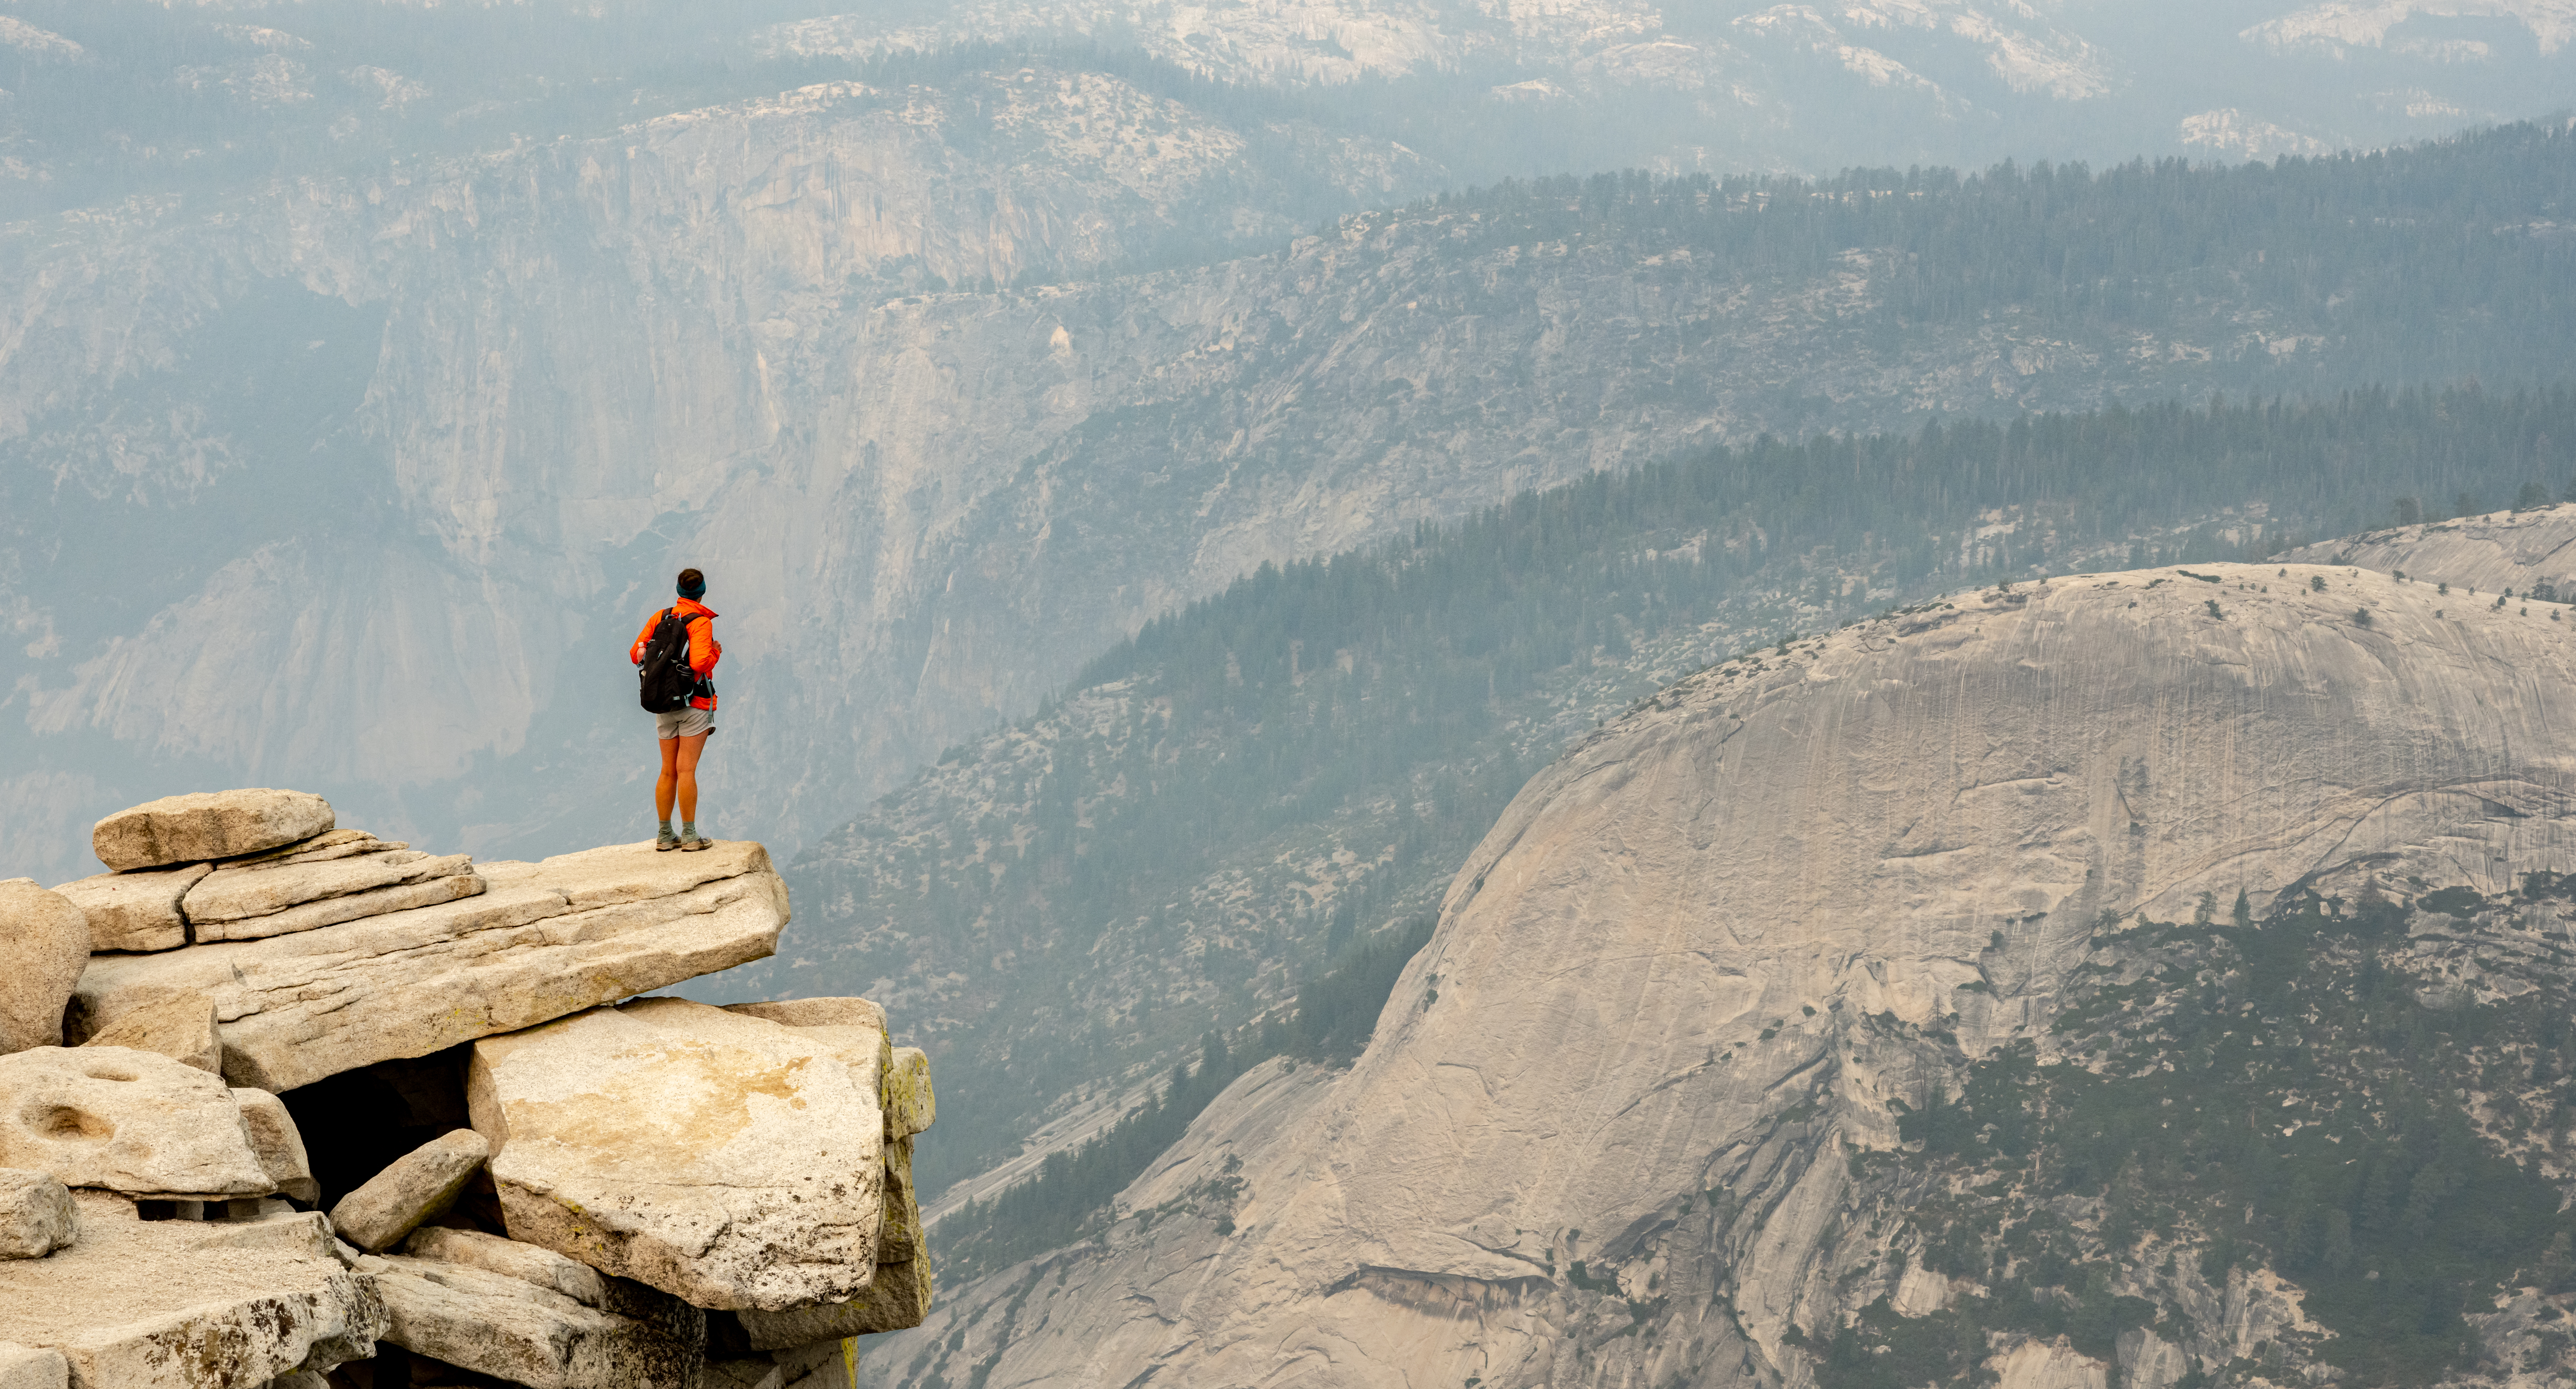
pixel 665 842
pixel 696 842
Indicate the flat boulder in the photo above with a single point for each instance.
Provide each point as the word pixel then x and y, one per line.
pixel 421 1183
pixel 45 940
pixel 356 906
pixel 495 1324
pixel 547 939
pixel 525 1262
pixel 181 1027
pixel 179 1304
pixel 207 825
pixel 238 894
pixel 329 844
pixel 722 1158
pixel 127 1121
pixel 37 1216
pixel 138 910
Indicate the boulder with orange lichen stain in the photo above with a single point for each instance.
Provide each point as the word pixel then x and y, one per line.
pixel 723 1158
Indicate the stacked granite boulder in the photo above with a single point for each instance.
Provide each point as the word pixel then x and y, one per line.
pixel 287 1104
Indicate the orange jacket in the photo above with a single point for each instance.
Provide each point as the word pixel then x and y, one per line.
pixel 704 649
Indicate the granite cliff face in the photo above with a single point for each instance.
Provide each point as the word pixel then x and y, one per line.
pixel 2478 556
pixel 1641 1108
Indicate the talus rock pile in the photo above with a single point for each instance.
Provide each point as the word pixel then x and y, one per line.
pixel 288 1105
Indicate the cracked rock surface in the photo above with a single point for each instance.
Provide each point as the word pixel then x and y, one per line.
pixel 546 939
pixel 685 1147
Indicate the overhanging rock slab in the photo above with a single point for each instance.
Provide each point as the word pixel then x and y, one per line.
pixel 546 940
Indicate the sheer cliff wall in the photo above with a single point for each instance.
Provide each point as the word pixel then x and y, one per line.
pixel 1616 1119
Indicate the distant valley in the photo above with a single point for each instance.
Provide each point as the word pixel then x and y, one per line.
pixel 1588 693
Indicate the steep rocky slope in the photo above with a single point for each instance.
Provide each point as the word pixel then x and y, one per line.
pixel 1650 1105
pixel 393 465
pixel 1223 806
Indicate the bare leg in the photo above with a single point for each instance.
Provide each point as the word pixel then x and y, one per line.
pixel 663 789
pixel 682 755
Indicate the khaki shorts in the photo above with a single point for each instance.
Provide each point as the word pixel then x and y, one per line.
pixel 684 723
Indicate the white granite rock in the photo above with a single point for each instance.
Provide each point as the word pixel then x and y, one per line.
pixel 898 1300
pixel 26 1367
pixel 138 910
pixel 498 1325
pixel 329 844
pixel 45 941
pixel 181 1027
pixel 525 1262
pixel 817 1012
pixel 174 1304
pixel 207 825
pixel 231 894
pixel 356 906
pixel 1673 937
pixel 722 1158
pixel 548 939
pixel 855 1028
pixel 274 1137
pixel 36 1214
pixel 418 1185
pixel 125 1120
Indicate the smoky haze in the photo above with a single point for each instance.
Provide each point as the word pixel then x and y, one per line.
pixel 371 366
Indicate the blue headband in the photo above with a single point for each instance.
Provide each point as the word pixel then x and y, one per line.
pixel 699 590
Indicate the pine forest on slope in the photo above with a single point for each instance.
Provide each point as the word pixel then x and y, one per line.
pixel 1231 800
pixel 988 488
pixel 2412 1061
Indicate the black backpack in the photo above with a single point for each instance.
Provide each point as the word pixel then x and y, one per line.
pixel 665 677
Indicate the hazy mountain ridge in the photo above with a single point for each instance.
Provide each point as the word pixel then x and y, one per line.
pixel 1783 77
pixel 962 496
pixel 1538 1174
pixel 545 373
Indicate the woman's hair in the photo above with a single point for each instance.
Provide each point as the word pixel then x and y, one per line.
pixel 692 583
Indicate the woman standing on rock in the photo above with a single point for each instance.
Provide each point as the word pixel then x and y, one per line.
pixel 676 656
